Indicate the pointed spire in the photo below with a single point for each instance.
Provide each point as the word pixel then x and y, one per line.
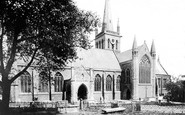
pixel 134 43
pixel 107 19
pixel 118 27
pixel 153 51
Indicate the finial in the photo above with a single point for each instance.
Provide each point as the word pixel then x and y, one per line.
pixel 153 48
pixel 134 43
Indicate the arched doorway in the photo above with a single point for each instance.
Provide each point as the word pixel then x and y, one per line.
pixel 82 92
pixel 128 94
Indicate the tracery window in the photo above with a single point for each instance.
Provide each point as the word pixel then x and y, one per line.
pixel 97 83
pixel 118 80
pixel 26 82
pixel 144 70
pixel 58 82
pixel 108 83
pixel 43 82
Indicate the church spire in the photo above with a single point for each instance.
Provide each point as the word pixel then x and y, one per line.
pixel 107 18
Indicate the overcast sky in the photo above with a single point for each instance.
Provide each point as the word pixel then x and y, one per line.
pixel 160 20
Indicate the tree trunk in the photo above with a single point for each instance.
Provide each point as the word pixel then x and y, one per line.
pixel 5 98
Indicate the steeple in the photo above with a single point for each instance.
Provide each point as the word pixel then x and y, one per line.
pixel 108 38
pixel 153 51
pixel 107 18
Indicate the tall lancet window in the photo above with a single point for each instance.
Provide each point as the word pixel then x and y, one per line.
pixel 108 83
pixel 25 82
pixel 43 82
pixel 144 70
pixel 58 82
pixel 97 83
pixel 108 43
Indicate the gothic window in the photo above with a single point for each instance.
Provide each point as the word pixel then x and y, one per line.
pixel 108 43
pixel 100 44
pixel 127 76
pixel 159 82
pixel 116 44
pixel 25 82
pixel 97 83
pixel 96 44
pixel 58 82
pixel 144 70
pixel 43 82
pixel 118 80
pixel 108 83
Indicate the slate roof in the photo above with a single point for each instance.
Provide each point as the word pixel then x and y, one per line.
pixel 126 55
pixel 160 69
pixel 96 59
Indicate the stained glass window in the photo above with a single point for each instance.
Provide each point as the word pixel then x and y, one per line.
pixel 43 82
pixel 118 80
pixel 97 83
pixel 144 70
pixel 108 83
pixel 58 82
pixel 25 82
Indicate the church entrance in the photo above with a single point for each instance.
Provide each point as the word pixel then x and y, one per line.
pixel 82 92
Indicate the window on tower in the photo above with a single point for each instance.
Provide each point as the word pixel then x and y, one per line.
pixel 116 44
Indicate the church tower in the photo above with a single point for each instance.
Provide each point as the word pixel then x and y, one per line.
pixel 108 38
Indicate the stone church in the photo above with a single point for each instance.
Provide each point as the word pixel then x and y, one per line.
pixel 100 73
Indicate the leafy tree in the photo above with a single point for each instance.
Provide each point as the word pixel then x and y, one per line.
pixel 176 91
pixel 36 28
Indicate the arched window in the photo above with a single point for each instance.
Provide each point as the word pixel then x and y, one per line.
pixel 97 83
pixel 116 44
pixel 96 44
pixel 127 76
pixel 58 82
pixel 108 43
pixel 144 70
pixel 26 82
pixel 43 82
pixel 108 83
pixel 118 80
pixel 100 44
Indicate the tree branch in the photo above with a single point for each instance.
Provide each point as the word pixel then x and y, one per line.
pixel 27 66
pixel 1 49
pixel 12 55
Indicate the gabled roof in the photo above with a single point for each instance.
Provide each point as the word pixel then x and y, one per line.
pixel 96 59
pixel 160 69
pixel 126 55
